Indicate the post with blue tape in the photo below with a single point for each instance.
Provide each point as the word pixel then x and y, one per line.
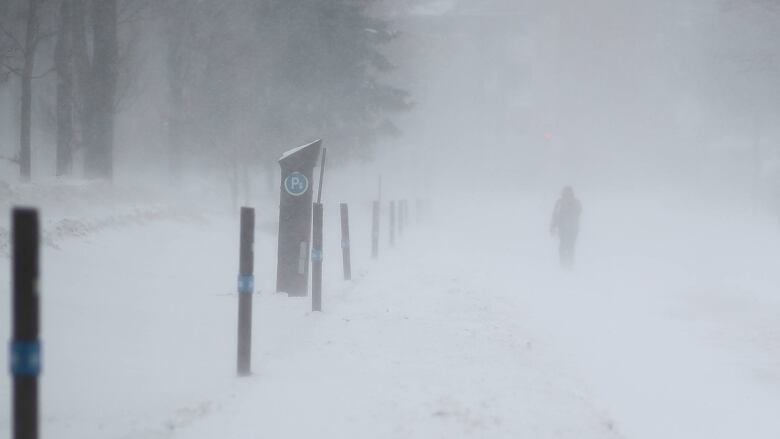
pixel 345 251
pixel 246 288
pixel 25 346
pixel 316 259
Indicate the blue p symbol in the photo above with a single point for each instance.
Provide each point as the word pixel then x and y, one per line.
pixel 296 184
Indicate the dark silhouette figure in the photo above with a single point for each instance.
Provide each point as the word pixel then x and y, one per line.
pixel 566 224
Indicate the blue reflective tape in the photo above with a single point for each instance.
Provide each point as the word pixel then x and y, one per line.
pixel 246 284
pixel 25 358
pixel 316 255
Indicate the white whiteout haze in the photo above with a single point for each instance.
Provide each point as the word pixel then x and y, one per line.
pixel 663 117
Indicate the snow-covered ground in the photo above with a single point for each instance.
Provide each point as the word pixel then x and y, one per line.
pixel 669 327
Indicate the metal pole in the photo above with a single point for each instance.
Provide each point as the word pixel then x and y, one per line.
pixel 25 346
pixel 246 281
pixel 375 230
pixel 345 241
pixel 316 244
pixel 316 260
pixel 322 174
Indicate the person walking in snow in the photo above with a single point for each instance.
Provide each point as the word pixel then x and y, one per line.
pixel 566 225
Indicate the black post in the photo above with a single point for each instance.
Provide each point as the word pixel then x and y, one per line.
pixel 392 223
pixel 375 230
pixel 246 281
pixel 25 346
pixel 345 241
pixel 316 258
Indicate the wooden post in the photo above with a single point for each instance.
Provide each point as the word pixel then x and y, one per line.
pixel 246 287
pixel 345 250
pixel 25 346
pixel 316 260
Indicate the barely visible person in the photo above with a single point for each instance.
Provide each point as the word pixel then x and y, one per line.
pixel 566 225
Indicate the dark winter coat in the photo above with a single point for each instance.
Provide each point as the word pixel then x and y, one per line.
pixel 566 216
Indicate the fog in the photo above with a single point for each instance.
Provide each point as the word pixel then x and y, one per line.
pixel 618 94
pixel 621 95
pixel 589 247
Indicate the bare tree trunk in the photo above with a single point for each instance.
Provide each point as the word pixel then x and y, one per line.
pixel 176 24
pixel 756 192
pixel 99 160
pixel 246 182
pixel 270 174
pixel 82 69
pixel 64 66
pixel 234 177
pixel 25 135
pixel 175 133
pixel 30 43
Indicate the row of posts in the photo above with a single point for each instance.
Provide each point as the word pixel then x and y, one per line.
pixel 300 238
pixel 398 220
pixel 25 347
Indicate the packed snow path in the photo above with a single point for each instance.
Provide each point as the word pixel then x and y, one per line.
pixel 460 331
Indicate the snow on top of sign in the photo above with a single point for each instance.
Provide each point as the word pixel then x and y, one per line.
pixel 294 150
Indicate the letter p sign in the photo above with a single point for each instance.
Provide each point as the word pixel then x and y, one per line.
pixel 296 184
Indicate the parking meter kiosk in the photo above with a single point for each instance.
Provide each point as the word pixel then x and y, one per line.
pixel 295 204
